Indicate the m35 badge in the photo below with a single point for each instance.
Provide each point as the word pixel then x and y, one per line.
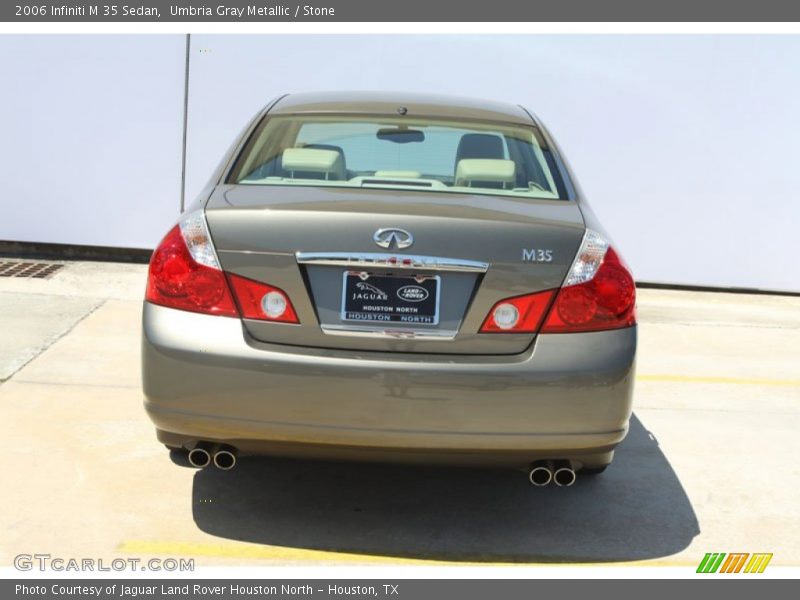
pixel 537 255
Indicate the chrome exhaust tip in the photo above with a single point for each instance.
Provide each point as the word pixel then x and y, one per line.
pixel 225 458
pixel 564 474
pixel 540 474
pixel 200 455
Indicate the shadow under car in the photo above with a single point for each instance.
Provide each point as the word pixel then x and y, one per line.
pixel 636 510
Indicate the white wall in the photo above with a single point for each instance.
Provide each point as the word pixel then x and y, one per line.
pixel 687 146
pixel 90 138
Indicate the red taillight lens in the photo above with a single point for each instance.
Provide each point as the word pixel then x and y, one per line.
pixel 606 301
pixel 176 280
pixel 521 314
pixel 260 301
pixel 598 293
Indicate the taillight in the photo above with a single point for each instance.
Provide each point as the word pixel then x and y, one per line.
pixel 520 314
pixel 185 274
pixel 599 292
pixel 260 301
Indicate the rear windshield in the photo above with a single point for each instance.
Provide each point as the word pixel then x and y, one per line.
pixel 400 153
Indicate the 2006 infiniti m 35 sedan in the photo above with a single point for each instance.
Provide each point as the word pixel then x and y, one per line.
pixel 392 277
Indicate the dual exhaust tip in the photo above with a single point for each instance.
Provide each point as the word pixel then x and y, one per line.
pixel 544 472
pixel 203 454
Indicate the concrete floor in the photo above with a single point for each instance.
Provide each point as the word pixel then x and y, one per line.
pixel 710 465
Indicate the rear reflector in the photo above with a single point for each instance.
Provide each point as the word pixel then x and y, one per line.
pixel 177 279
pixel 260 301
pixel 520 314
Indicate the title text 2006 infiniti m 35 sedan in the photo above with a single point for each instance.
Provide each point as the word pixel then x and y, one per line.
pixel 392 277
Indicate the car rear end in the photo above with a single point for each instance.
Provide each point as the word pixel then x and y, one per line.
pixel 340 314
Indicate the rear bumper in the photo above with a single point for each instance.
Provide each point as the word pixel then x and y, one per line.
pixel 204 378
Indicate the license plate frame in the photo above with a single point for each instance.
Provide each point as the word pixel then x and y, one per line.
pixel 402 311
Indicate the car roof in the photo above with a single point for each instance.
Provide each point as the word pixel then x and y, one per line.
pixel 393 103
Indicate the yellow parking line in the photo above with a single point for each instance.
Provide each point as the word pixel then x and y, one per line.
pixel 723 380
pixel 244 551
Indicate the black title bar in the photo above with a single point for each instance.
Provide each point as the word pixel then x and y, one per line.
pixel 401 10
pixel 370 589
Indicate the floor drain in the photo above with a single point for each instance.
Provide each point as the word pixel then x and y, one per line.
pixel 38 270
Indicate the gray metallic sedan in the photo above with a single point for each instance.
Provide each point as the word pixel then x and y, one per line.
pixel 392 277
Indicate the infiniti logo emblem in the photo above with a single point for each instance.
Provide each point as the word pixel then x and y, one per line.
pixel 393 238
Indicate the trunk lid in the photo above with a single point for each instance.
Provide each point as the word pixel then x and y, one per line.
pixel 473 250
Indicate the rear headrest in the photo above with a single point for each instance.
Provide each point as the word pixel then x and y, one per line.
pixel 329 147
pixel 327 163
pixel 485 170
pixel 479 145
